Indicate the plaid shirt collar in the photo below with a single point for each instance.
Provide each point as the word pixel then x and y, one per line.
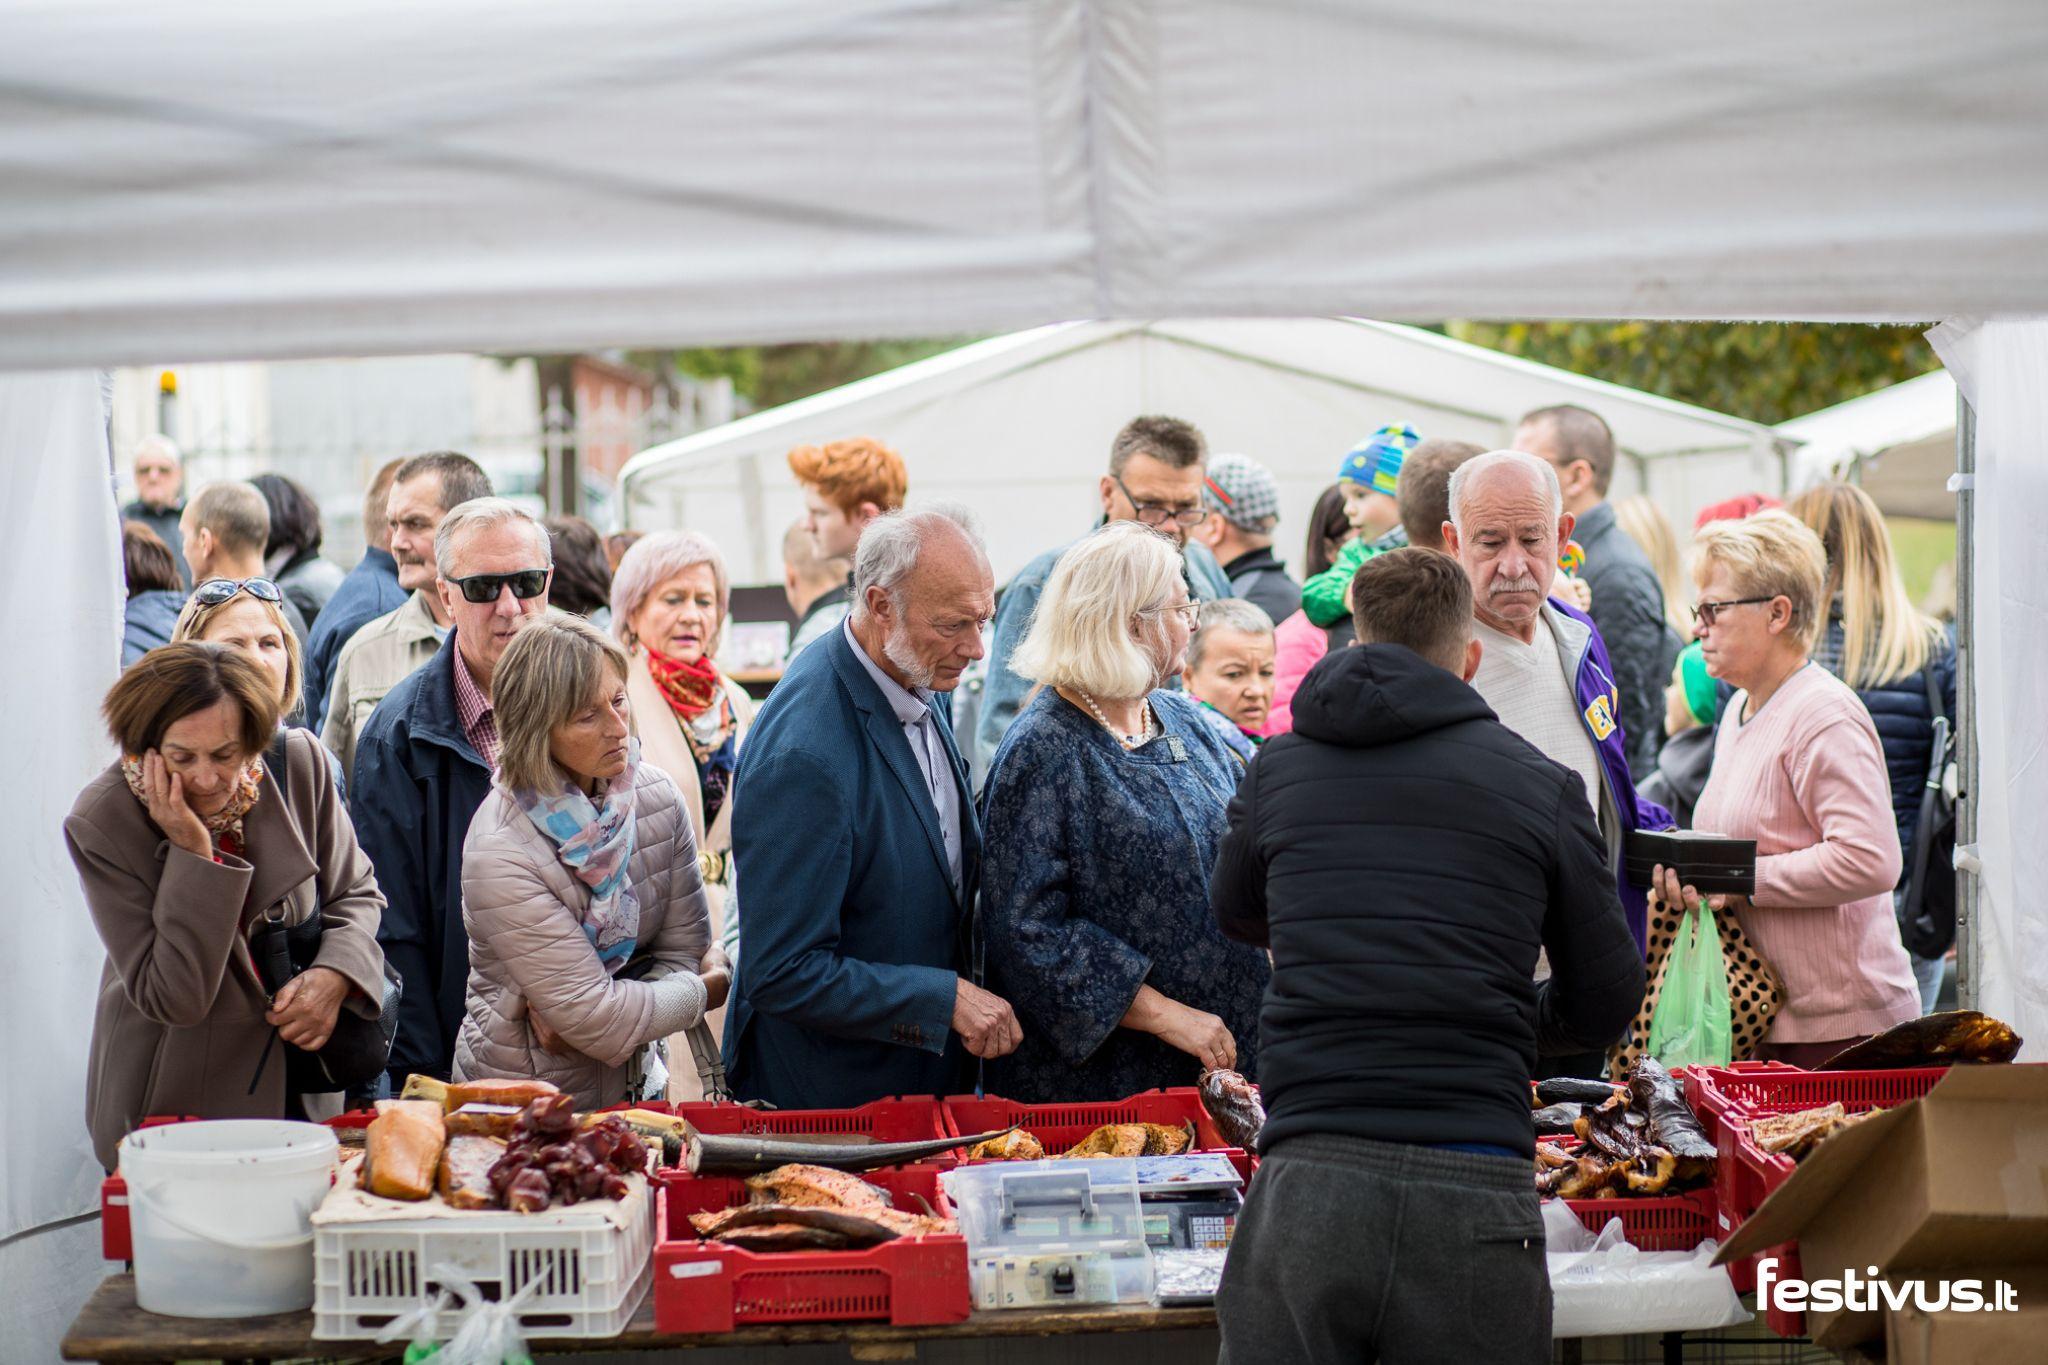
pixel 473 710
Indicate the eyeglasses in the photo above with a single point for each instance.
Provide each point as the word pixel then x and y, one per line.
pixel 1189 612
pixel 485 587
pixel 1705 612
pixel 1158 513
pixel 215 591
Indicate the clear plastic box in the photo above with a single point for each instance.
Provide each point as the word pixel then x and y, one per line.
pixel 1044 1233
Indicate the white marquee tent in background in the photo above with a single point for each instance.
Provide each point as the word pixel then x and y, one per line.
pixel 1026 421
pixel 215 180
pixel 1899 443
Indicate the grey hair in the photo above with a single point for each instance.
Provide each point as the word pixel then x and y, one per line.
pixel 479 514
pixel 890 545
pixel 158 444
pixel 1227 613
pixel 1464 474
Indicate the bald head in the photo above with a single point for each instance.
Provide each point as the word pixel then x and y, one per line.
pixel 806 574
pixel 1507 521
pixel 922 594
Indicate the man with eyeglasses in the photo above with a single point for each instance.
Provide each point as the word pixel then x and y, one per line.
pixel 389 647
pixel 159 496
pixel 1155 474
pixel 1544 668
pixel 424 765
pixel 223 531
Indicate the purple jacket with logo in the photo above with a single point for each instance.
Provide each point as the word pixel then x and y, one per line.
pixel 1599 708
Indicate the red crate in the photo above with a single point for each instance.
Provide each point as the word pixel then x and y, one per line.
pixel 1667 1222
pixel 1734 1096
pixel 1061 1126
pixel 708 1287
pixel 1734 1183
pixel 910 1118
pixel 116 1240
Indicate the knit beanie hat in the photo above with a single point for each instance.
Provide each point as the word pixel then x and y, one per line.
pixel 1376 461
pixel 1243 492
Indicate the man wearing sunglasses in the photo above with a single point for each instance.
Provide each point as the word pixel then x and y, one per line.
pixel 223 531
pixel 1155 474
pixel 424 763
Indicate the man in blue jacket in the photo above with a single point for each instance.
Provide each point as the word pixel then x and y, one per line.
pixel 855 837
pixel 424 762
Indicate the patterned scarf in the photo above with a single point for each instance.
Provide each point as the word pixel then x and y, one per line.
pixel 691 688
pixel 696 694
pixel 1254 736
pixel 596 844
pixel 224 826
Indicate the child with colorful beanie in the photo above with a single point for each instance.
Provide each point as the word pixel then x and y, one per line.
pixel 1369 476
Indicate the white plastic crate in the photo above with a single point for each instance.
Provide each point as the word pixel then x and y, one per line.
pixel 593 1270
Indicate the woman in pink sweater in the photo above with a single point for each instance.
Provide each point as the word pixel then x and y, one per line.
pixel 1798 768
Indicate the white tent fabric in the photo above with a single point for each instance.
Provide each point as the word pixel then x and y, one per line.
pixel 2001 368
pixel 1899 443
pixel 1026 421
pixel 60 595
pixel 216 180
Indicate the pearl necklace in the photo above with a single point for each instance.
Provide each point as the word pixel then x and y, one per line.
pixel 1143 737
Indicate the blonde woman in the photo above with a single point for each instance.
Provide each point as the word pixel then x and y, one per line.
pixel 1797 767
pixel 589 937
pixel 1888 651
pixel 1104 811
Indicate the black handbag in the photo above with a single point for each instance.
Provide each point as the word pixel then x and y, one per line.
pixel 359 1049
pixel 1927 910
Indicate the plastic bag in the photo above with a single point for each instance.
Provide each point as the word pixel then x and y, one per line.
pixel 1603 1286
pixel 486 1333
pixel 1693 1023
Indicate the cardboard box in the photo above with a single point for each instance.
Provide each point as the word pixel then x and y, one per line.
pixel 1951 1185
pixel 1914 1336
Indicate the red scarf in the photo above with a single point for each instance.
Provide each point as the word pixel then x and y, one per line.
pixel 690 688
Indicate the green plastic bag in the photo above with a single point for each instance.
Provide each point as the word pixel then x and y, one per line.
pixel 1693 1023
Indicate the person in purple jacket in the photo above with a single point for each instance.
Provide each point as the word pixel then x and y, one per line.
pixel 1544 668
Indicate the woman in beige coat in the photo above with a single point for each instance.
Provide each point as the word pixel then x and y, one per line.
pixel 670 597
pixel 184 847
pixel 589 937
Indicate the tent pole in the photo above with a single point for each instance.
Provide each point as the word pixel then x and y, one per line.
pixel 1968 966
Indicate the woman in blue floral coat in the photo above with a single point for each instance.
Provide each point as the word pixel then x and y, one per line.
pixel 1103 813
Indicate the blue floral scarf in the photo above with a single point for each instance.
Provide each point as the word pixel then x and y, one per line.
pixel 596 844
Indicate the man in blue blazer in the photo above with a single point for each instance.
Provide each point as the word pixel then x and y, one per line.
pixel 856 847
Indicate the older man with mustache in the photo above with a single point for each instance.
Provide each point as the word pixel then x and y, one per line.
pixel 1544 668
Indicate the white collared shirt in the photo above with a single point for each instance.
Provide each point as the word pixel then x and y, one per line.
pixel 921 731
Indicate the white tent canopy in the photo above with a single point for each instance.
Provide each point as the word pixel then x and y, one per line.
pixel 215 180
pixel 1026 421
pixel 1899 443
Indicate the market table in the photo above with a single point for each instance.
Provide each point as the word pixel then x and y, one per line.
pixel 112 1328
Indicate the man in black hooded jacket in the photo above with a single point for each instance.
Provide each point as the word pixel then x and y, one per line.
pixel 1405 856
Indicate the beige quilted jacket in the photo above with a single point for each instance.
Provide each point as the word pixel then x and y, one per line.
pixel 528 951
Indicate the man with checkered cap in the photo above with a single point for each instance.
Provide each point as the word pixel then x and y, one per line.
pixel 1243 500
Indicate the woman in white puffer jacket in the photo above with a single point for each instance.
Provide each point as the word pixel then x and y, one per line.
pixel 589 937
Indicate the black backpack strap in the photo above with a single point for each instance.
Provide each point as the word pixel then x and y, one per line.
pixel 274 757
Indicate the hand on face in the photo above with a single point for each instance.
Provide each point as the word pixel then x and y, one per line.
pixel 193 772
pixel 681 617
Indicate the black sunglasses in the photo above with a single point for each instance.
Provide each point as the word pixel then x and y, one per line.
pixel 215 591
pixel 485 587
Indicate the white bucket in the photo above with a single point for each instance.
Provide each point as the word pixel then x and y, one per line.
pixel 221 1214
